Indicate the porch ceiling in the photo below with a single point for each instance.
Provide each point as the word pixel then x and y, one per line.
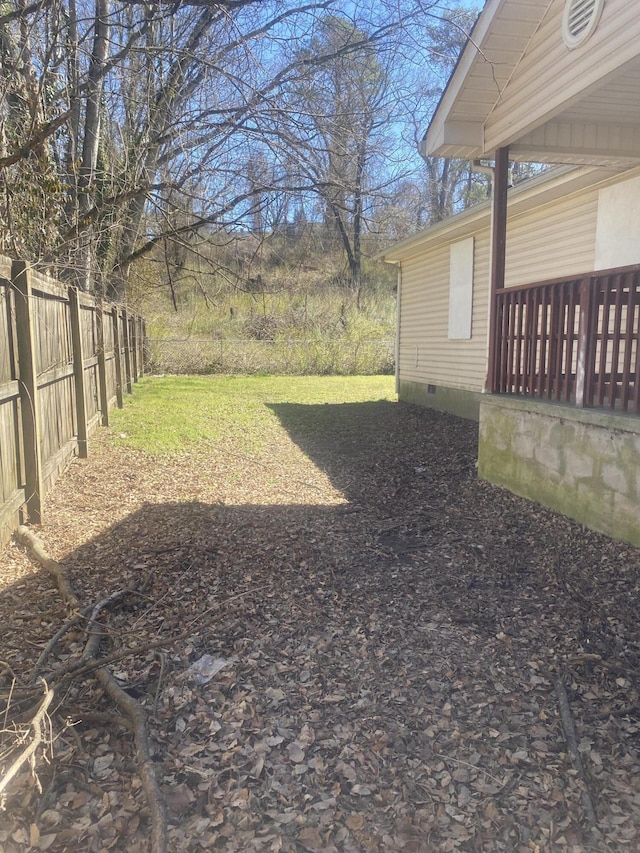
pixel 602 128
pixel 600 125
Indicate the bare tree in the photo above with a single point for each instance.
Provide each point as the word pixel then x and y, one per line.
pixel 126 126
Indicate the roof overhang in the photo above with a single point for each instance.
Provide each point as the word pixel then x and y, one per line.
pixel 594 121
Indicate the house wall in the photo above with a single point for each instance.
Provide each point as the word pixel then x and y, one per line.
pixel 544 241
pixel 549 75
pixel 552 240
pixel 427 357
pixel 582 463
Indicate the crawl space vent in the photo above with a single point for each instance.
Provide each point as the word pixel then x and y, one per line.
pixel 580 20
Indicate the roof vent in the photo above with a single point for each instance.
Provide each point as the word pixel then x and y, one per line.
pixel 580 20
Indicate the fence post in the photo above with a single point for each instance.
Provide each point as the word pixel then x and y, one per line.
pixel 140 323
pixel 29 402
pixel 78 371
pixel 133 325
pixel 127 348
pixel 115 321
pixel 102 365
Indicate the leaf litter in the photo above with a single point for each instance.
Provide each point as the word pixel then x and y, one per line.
pixel 387 633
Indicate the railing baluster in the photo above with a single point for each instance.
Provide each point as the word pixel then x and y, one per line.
pixel 544 307
pixel 615 352
pixel 526 343
pixel 603 325
pixel 569 385
pixel 562 336
pixel 511 359
pixel 518 365
pixel 628 340
pixel 533 342
pixel 585 359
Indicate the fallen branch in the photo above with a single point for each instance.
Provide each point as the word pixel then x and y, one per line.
pixel 155 798
pixel 53 642
pixel 95 630
pixel 571 739
pixel 36 550
pixel 132 709
pixel 28 754
pixel 598 660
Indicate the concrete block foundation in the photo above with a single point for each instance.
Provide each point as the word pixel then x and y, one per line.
pixel 582 463
pixel 455 401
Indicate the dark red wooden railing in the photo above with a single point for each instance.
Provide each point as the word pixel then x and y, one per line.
pixel 575 340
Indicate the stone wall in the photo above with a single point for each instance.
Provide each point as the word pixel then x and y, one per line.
pixel 582 463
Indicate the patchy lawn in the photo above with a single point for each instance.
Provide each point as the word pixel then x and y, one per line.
pixel 392 630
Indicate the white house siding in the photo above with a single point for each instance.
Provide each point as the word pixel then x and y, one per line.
pixel 551 241
pixel 427 355
pixel 544 241
pixel 549 75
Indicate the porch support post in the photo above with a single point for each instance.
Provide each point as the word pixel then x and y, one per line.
pixel 498 247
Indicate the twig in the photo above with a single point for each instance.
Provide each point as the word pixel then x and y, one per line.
pixel 571 739
pixel 53 642
pixel 155 798
pixel 28 753
pixel 6 710
pixel 472 767
pixel 598 660
pixel 95 630
pixel 7 669
pixel 68 674
pixel 103 717
pixel 159 687
pixel 133 711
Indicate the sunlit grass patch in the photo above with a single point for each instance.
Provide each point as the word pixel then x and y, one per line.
pixel 182 414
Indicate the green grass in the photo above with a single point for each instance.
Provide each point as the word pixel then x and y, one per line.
pixel 179 414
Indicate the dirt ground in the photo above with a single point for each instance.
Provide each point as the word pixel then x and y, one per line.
pixel 391 633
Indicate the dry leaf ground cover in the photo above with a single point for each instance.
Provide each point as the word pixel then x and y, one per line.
pixel 390 629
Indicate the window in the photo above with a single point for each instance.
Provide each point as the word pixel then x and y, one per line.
pixel 580 20
pixel 460 289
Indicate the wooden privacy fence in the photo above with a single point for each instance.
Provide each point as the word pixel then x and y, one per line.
pixel 65 360
pixel 575 340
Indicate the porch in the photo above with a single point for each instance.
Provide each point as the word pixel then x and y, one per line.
pixel 561 427
pixel 571 340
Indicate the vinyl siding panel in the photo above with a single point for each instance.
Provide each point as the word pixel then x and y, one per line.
pixel 552 240
pixel 426 355
pixel 549 75
pixel 543 242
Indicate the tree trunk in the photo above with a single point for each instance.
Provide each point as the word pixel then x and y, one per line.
pixel 91 144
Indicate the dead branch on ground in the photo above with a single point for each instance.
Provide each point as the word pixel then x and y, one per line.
pixel 37 726
pixel 571 739
pixel 91 663
pixel 37 552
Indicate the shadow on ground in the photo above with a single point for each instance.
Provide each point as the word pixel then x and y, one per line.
pixel 390 662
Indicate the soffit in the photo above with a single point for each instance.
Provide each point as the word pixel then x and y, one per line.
pixel 495 46
pixel 600 126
